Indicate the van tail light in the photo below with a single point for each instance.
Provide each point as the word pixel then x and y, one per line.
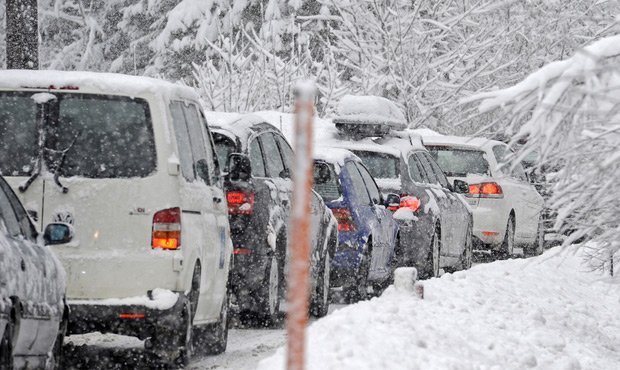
pixel 344 218
pixel 167 229
pixel 240 202
pixel 485 190
pixel 410 202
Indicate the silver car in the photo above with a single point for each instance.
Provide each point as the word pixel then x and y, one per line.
pixel 33 314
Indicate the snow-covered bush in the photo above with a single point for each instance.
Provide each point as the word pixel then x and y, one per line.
pixel 569 113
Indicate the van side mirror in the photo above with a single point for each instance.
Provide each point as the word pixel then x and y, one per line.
pixel 392 202
pixel 461 187
pixel 239 167
pixel 58 233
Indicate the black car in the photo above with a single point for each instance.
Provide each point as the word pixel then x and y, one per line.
pixel 33 313
pixel 258 165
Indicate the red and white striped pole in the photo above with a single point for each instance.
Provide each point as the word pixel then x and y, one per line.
pixel 299 264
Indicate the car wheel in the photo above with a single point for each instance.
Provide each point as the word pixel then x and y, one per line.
pixel 269 294
pixel 431 267
pixel 6 348
pixel 466 258
pixel 55 360
pixel 212 339
pixel 508 245
pixel 321 300
pixel 538 247
pixel 174 348
pixel 356 289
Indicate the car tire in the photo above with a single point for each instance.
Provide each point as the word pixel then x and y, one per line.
pixel 319 306
pixel 175 348
pixel 268 295
pixel 55 361
pixel 6 348
pixel 356 289
pixel 213 339
pixel 467 257
pixel 508 244
pixel 537 248
pixel 431 266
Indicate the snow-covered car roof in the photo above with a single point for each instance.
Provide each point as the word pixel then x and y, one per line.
pixel 460 141
pixel 243 127
pixel 336 156
pixel 92 82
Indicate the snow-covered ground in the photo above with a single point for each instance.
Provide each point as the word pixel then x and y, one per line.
pixel 546 312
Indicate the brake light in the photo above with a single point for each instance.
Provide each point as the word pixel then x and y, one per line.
pixel 410 202
pixel 344 218
pixel 167 229
pixel 485 190
pixel 131 316
pixel 242 251
pixel 240 202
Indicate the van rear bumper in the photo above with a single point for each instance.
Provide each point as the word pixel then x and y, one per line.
pixel 131 319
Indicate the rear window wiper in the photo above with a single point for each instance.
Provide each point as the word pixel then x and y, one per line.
pixel 61 161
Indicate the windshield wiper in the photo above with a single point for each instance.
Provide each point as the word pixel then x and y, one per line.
pixel 61 161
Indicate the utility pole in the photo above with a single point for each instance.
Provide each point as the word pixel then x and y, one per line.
pixel 22 37
pixel 299 270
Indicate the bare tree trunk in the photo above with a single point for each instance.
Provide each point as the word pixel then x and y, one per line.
pixel 22 41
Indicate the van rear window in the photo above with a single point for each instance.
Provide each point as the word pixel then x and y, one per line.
pixel 86 135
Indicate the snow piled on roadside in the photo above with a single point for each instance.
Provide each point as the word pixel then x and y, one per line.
pixel 546 312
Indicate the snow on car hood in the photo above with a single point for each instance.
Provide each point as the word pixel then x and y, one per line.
pixel 547 312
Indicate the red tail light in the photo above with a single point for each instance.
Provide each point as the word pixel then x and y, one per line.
pixel 240 202
pixel 344 218
pixel 411 202
pixel 167 229
pixel 485 190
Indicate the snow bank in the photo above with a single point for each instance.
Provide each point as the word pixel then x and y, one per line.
pixel 546 312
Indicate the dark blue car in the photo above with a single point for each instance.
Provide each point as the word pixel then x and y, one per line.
pixel 368 234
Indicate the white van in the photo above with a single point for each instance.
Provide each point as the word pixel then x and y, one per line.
pixel 129 163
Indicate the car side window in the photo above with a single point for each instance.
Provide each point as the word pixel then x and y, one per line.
pixel 275 166
pixel 441 177
pixel 20 213
pixel 183 144
pixel 256 159
pixel 373 190
pixel 414 170
pixel 500 152
pixel 203 165
pixel 519 173
pixel 214 166
pixel 8 219
pixel 359 187
pixel 430 175
pixel 287 153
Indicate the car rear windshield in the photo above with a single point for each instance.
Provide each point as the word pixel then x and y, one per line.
pixel 224 147
pixel 326 182
pixel 459 162
pixel 86 135
pixel 380 165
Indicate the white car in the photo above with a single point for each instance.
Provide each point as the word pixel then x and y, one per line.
pixel 129 162
pixel 506 207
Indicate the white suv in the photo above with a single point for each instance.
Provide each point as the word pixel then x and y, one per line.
pixel 506 207
pixel 129 163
